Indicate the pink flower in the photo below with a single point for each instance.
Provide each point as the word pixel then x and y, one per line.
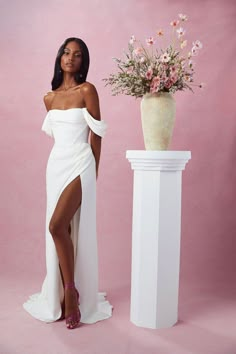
pixel 164 66
pixel 165 57
pixel 138 51
pixel 160 33
pixel 155 84
pixel 168 83
pixel 150 41
pixel 130 70
pixel 173 69
pixel 163 77
pixel 132 39
pixel 149 73
pixel 174 78
pixel 174 23
pixel 154 88
pixel 156 81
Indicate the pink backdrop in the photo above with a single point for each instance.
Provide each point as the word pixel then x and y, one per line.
pixel 31 33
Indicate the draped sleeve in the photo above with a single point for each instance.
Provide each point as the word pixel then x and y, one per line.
pixel 99 127
pixel 46 127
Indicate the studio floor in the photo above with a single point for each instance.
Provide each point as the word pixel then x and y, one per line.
pixel 207 325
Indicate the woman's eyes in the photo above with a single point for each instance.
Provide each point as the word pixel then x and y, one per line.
pixel 77 55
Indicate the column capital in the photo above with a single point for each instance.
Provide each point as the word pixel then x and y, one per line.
pixel 158 160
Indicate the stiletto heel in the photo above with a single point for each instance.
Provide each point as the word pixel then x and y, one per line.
pixel 73 320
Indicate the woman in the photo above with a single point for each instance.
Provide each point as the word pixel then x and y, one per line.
pixel 71 249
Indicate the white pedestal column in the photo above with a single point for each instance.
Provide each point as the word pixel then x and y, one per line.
pixel 156 236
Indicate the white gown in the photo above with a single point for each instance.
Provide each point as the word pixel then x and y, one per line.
pixel 72 156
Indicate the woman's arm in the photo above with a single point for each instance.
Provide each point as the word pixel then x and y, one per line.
pixel 48 100
pixel 92 104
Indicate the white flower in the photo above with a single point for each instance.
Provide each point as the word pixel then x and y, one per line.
pixel 183 17
pixel 191 64
pixel 197 44
pixel 183 43
pixel 180 32
pixel 132 39
pixel 142 60
pixel 165 57
pixel 194 51
pixel 187 78
pixel 202 85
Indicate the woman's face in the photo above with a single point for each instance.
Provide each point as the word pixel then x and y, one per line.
pixel 71 58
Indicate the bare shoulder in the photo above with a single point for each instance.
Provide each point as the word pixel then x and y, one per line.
pixel 91 99
pixel 48 98
pixel 88 89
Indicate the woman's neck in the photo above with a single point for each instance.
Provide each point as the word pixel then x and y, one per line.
pixel 68 81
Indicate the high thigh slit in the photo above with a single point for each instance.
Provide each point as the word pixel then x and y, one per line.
pixel 72 157
pixel 68 203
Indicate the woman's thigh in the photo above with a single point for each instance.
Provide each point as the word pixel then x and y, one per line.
pixel 68 203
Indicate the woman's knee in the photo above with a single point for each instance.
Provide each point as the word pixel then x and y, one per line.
pixel 57 228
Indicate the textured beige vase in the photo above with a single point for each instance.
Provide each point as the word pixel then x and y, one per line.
pixel 158 116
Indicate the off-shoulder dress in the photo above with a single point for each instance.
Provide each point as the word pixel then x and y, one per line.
pixel 72 156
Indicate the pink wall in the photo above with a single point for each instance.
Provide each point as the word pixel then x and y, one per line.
pixel 31 33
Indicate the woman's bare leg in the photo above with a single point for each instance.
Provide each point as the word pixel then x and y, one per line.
pixel 62 278
pixel 59 227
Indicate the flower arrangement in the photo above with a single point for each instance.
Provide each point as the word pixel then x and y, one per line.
pixel 149 70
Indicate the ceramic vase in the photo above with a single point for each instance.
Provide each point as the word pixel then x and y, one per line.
pixel 158 117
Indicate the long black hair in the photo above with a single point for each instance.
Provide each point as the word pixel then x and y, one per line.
pixel 81 75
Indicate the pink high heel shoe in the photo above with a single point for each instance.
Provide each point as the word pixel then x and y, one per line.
pixel 73 320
